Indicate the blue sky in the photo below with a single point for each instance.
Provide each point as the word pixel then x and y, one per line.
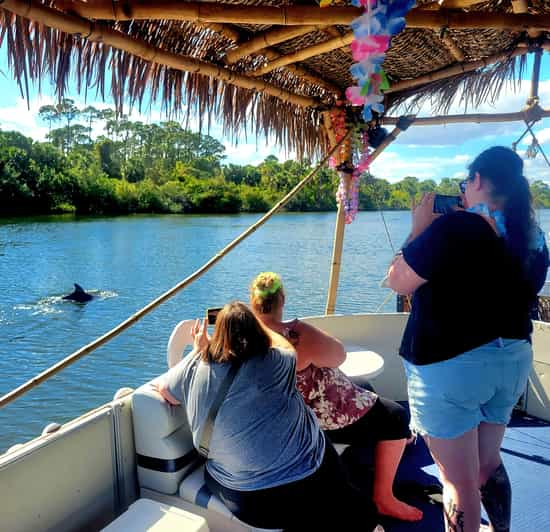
pixel 423 151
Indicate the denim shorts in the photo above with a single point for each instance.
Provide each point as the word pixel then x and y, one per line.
pixel 451 397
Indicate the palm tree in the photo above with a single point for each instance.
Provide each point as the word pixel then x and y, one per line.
pixel 50 114
pixel 92 114
pixel 69 111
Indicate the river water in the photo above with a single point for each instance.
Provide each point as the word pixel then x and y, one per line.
pixel 128 261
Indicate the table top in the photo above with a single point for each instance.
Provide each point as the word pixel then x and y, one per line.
pixel 361 362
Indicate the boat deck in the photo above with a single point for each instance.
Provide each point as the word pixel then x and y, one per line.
pixel 526 455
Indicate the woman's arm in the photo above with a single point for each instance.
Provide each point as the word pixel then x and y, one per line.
pixel 401 278
pixel 277 340
pixel 318 348
pixel 161 387
pixel 170 383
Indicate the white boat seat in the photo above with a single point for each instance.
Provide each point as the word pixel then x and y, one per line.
pixel 146 515
pixel 194 489
pixel 167 462
pixel 164 444
pixel 179 339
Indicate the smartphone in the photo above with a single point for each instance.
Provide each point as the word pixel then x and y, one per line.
pixel 445 204
pixel 212 314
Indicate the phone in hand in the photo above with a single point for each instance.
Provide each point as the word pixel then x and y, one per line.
pixel 212 314
pixel 444 204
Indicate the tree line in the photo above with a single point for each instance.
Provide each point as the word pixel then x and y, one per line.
pixel 133 167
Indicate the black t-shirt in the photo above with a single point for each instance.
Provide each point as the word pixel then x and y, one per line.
pixel 476 291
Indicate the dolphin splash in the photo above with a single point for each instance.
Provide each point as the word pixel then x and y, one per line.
pixel 79 295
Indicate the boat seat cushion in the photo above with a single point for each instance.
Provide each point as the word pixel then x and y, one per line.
pixel 146 515
pixel 164 444
pixel 193 489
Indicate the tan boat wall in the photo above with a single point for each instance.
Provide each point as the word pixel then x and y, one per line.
pixel 66 481
pixel 538 393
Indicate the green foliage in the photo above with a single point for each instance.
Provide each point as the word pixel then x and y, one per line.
pixel 144 168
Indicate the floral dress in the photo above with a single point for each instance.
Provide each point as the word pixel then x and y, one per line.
pixel 334 398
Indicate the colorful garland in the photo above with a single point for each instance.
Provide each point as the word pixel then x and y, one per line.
pixel 373 32
pixel 349 198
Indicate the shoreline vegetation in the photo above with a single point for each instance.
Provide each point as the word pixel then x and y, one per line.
pixel 132 167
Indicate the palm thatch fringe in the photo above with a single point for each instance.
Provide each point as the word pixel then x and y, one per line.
pixel 468 90
pixel 35 51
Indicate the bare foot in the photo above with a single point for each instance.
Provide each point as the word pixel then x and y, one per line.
pixel 393 507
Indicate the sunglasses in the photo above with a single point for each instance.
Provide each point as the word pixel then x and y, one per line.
pixel 462 186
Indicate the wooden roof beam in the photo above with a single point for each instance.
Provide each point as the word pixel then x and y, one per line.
pixel 295 15
pixel 272 54
pixel 452 4
pixel 303 73
pixel 479 118
pixel 34 10
pixel 209 12
pixel 451 45
pixel 521 6
pixel 226 30
pixel 264 40
pixel 306 53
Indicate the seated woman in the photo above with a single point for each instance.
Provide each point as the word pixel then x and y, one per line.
pixel 346 412
pixel 268 460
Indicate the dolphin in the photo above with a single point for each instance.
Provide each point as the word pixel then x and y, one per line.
pixel 79 295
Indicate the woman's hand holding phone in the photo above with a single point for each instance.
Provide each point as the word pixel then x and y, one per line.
pixel 422 214
pixel 201 341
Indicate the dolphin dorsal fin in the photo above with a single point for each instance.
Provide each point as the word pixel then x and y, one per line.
pixel 78 288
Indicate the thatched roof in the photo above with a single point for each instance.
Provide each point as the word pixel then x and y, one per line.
pixel 274 65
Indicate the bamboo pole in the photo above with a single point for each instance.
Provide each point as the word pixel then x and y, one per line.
pixel 535 77
pixel 336 262
pixel 340 226
pixel 402 124
pixel 295 15
pixel 451 45
pixel 418 18
pixel 455 70
pixel 210 12
pixel 451 4
pixel 528 114
pixel 74 25
pixel 305 53
pixel 266 39
pixel 223 29
pixel 521 6
pixel 108 336
pixel 303 73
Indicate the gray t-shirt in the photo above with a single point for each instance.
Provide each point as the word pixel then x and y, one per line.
pixel 264 435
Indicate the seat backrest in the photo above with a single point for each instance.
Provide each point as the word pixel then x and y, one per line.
pixel 180 337
pixel 164 443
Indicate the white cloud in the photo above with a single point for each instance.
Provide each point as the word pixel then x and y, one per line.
pixel 24 118
pixel 252 152
pixel 394 166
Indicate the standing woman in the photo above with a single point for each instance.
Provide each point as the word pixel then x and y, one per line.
pixel 467 344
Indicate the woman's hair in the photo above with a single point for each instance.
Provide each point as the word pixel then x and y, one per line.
pixel 502 168
pixel 238 335
pixel 266 292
